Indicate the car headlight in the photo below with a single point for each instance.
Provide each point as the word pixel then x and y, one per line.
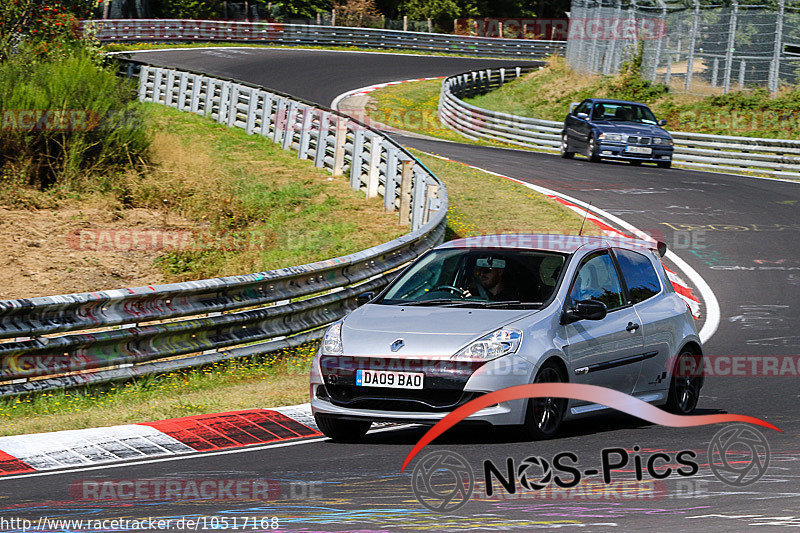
pixel 496 344
pixel 662 140
pixel 616 137
pixel 332 340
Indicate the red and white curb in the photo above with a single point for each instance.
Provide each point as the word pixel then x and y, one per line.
pixel 59 450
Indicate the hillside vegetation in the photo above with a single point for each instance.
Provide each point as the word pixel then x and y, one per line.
pixel 548 92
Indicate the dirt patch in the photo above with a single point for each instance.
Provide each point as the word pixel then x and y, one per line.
pixel 43 254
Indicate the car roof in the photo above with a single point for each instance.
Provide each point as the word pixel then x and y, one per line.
pixel 611 101
pixel 551 243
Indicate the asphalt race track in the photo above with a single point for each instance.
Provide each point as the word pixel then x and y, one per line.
pixel 739 233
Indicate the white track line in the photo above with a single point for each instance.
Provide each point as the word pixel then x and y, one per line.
pixel 197 455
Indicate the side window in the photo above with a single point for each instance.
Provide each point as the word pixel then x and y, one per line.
pixel 639 275
pixel 597 280
pixel 582 108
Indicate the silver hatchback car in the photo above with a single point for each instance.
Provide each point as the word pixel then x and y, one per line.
pixel 484 313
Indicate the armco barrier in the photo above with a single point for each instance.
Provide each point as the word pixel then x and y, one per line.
pixel 124 333
pixel 773 157
pixel 165 30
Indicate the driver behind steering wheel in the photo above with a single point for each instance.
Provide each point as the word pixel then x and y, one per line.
pixel 492 283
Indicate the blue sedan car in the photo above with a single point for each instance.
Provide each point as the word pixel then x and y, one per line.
pixel 615 129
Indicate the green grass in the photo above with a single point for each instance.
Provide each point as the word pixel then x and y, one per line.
pixel 267 381
pixel 414 107
pixel 285 209
pixel 547 94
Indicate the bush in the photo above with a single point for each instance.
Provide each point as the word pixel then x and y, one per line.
pixel 64 117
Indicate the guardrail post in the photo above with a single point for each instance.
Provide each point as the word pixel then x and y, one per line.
pixel 170 88
pixel 291 120
pixel 322 139
pixel 252 108
pixel 184 81
pixel 357 159
pixel 266 113
pixel 211 89
pixel 339 145
pixel 431 194
pixel 417 199
pixel 374 175
pixel 223 102
pixel 233 106
pixel 144 74
pixel 194 104
pixel 280 121
pixel 406 175
pixel 157 85
pixel 502 76
pixel 305 133
pixel 390 186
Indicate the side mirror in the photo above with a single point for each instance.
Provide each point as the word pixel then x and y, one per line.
pixel 364 298
pixel 572 106
pixel 662 122
pixel 585 310
pixel 584 116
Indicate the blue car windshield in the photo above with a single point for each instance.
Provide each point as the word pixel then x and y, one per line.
pixel 623 113
pixel 482 277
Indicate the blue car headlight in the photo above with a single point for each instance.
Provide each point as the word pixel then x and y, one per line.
pixel 496 344
pixel 614 137
pixel 662 141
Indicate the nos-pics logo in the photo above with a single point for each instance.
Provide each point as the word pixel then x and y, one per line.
pixel 443 481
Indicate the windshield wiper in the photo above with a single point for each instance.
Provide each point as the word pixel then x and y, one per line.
pixel 502 303
pixel 435 301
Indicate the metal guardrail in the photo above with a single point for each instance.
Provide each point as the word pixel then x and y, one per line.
pixel 773 157
pixel 239 315
pixel 167 30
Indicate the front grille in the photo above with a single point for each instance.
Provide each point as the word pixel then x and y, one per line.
pixel 386 399
pixel 633 139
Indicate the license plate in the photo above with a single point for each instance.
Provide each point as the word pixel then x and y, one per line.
pixel 390 379
pixel 638 150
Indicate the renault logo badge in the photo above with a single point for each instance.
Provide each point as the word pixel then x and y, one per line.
pixel 396 345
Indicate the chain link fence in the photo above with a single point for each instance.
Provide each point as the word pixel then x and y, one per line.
pixel 700 47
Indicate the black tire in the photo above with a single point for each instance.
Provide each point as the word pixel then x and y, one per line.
pixel 684 390
pixel 591 149
pixel 340 430
pixel 664 164
pixel 564 148
pixel 543 416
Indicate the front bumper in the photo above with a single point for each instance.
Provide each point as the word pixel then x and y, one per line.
pixel 610 150
pixel 446 386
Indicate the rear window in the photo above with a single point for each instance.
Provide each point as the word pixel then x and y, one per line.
pixel 639 275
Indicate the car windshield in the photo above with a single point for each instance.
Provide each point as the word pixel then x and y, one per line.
pixel 623 113
pixel 487 278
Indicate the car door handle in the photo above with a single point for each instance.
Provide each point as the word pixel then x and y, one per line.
pixel 632 327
